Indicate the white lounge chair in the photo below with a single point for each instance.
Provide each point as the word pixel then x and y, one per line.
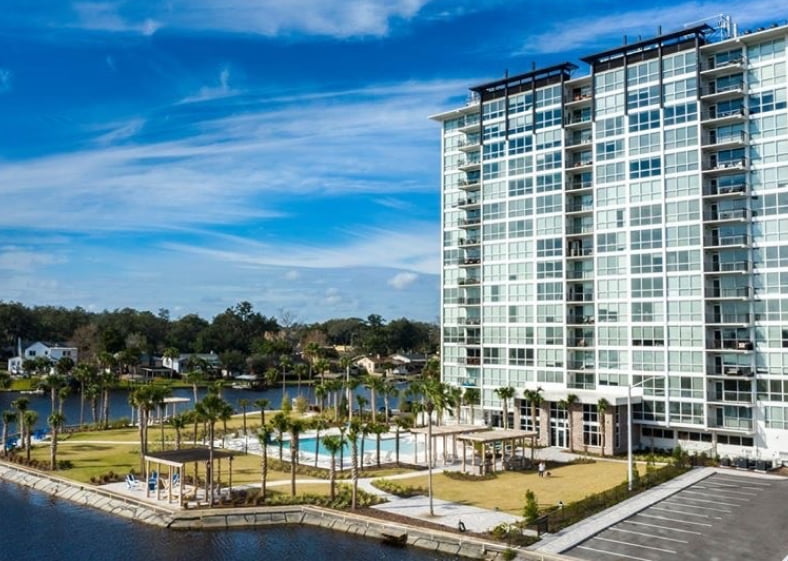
pixel 131 482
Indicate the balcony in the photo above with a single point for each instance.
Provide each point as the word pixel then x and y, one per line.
pixel 469 281
pixel 468 321
pixel 470 261
pixel 579 319
pixel 469 144
pixel 580 251
pixel 582 342
pixel 732 370
pixel 468 203
pixel 716 92
pixel 731 397
pixel 575 142
pixel 470 360
pixel 582 164
pixel 738 292
pixel 580 297
pixel 715 141
pixel 714 68
pixel 471 221
pixel 738 240
pixel 731 344
pixel 725 166
pixel 473 341
pixel 579 185
pixel 724 116
pixel 731 215
pixel 578 99
pixel 469 164
pixel 580 274
pixel 728 319
pixel 469 301
pixel 468 242
pixel 728 267
pixel 584 206
pixel 579 229
pixel 472 124
pixel 580 365
pixel 735 189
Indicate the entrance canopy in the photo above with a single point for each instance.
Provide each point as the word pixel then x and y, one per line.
pixel 178 458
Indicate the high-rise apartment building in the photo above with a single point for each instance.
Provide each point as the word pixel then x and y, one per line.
pixel 625 231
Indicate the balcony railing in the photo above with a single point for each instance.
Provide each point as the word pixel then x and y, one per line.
pixel 737 292
pixel 580 251
pixel 728 318
pixel 579 274
pixel 468 242
pixel 732 370
pixel 577 185
pixel 470 261
pixel 469 301
pixel 728 267
pixel 470 221
pixel 732 344
pixel 579 207
pixel 719 241
pixel 713 139
pixel 730 214
pixel 715 89
pixel 580 297
pixel 735 113
pixel 468 281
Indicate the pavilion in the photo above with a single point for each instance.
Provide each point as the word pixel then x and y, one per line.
pixel 443 432
pixel 490 441
pixel 176 461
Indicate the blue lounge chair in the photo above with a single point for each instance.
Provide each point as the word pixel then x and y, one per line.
pixel 153 481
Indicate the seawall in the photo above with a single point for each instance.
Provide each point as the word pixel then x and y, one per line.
pixel 253 517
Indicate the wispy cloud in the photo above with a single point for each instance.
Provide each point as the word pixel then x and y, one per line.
pixel 5 80
pixel 339 19
pixel 591 31
pixel 22 260
pixel 228 169
pixel 210 93
pixel 402 280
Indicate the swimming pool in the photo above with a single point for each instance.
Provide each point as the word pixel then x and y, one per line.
pixel 387 444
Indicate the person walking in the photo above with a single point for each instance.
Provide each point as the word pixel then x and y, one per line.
pixel 542 467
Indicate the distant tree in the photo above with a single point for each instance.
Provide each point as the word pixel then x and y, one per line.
pixel 333 445
pixel 505 394
pixel 56 420
pixel 211 409
pixel 9 417
pixel 601 407
pixel 264 436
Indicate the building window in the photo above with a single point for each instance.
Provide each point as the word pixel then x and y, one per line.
pixel 645 168
pixel 590 425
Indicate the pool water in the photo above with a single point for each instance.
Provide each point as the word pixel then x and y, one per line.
pixel 387 444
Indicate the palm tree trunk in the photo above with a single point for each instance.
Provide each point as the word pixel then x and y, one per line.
pixel 429 462
pixel 81 403
pixel 332 476
pixel 53 449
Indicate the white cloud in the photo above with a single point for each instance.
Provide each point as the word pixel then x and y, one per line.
pixel 338 18
pixel 401 281
pixel 292 275
pixel 225 170
pixel 5 80
pixel 209 93
pixel 22 260
pixel 589 31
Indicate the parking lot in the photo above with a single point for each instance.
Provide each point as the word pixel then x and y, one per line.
pixel 729 516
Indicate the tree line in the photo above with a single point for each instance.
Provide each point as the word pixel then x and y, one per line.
pixel 236 334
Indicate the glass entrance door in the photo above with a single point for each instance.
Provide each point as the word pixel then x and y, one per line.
pixel 559 431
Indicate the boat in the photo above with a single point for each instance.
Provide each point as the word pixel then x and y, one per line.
pixel 38 391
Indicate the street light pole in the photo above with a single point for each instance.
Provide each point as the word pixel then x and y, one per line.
pixel 629 438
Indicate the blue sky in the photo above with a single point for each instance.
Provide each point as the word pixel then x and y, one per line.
pixel 192 154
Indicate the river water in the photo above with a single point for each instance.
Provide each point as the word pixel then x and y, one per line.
pixel 38 527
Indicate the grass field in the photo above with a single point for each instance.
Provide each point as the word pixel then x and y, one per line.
pixel 506 492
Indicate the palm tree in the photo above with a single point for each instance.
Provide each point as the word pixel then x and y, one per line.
pixel 194 376
pixel 285 362
pixel 31 417
pixel 106 379
pixel 143 399
pixel 456 399
pixel 225 415
pixel 353 433
pixel 311 353
pixel 296 427
pixel 601 409
pixel 179 422
pixel 375 385
pixel 364 431
pixel 362 401
pixel 401 422
pixel 159 393
pixel 262 404
pixel 571 400
pixel 280 423
pixel 318 424
pixel 85 373
pixel 433 396
pixel 244 404
pixel 271 376
pixel 211 409
pixel 321 365
pixel 55 420
pixel 472 397
pixel 92 394
pixel 9 416
pixel 377 429
pixel 505 394
pixel 264 436
pixel 389 391
pixel 5 380
pixel 321 393
pixel 21 404
pixel 53 383
pixel 333 444
pixel 300 370
pixel 534 397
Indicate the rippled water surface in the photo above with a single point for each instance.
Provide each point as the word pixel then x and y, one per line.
pixel 41 528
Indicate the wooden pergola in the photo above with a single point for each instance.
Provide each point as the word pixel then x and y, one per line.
pixel 176 461
pixel 444 432
pixel 494 438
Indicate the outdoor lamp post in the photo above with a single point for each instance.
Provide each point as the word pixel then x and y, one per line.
pixel 630 463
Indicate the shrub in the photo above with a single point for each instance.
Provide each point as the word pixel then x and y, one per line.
pixel 399 490
pixel 461 476
pixel 508 554
pixel 531 509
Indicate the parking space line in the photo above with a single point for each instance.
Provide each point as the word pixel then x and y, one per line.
pixel 711 501
pixel 613 553
pixel 680 512
pixel 657 536
pixel 673 519
pixel 664 527
pixel 715 488
pixel 698 506
pixel 634 545
pixel 741 482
